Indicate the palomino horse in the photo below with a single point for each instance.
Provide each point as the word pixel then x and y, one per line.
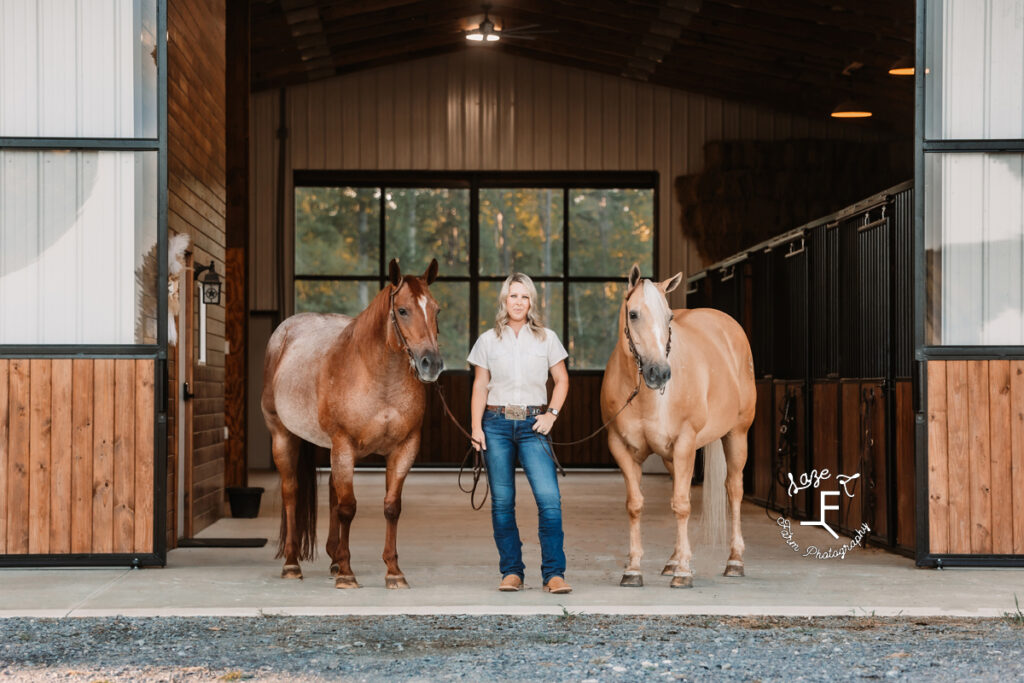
pixel 699 377
pixel 354 385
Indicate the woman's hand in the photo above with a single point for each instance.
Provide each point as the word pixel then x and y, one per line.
pixel 543 423
pixel 479 441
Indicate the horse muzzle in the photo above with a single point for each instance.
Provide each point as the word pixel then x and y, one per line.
pixel 657 376
pixel 428 365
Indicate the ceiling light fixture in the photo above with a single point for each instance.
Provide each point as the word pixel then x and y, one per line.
pixel 851 110
pixel 484 33
pixel 903 67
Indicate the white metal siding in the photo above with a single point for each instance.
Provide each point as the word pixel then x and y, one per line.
pixel 70 245
pixel 975 77
pixel 980 223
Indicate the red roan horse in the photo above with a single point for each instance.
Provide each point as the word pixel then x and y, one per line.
pixel 354 385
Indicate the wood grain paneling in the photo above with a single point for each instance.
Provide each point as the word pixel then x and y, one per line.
pixel 73 435
pixel 19 435
pixel 144 461
pixel 4 452
pixel 824 431
pixel 979 457
pixel 197 181
pixel 761 446
pixel 958 445
pixel 60 456
pixel 1017 455
pixel 124 459
pixel 851 511
pixel 39 456
pixel 81 456
pixel 1001 454
pixel 103 456
pixel 975 457
pixel 938 460
pixel 906 483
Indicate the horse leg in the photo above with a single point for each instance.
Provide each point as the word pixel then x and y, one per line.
pixel 343 511
pixel 334 534
pixel 399 462
pixel 673 561
pixel 632 576
pixel 285 447
pixel 683 455
pixel 735 443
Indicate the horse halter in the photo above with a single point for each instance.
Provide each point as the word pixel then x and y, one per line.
pixel 632 345
pixel 398 328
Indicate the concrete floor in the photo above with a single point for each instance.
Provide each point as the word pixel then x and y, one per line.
pixel 448 556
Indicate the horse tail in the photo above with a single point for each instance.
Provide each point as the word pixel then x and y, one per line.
pixel 713 503
pixel 305 505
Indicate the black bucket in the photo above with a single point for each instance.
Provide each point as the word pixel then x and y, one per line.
pixel 244 500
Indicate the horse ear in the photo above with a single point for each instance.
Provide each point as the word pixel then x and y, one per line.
pixel 671 283
pixel 634 275
pixel 431 273
pixel 394 273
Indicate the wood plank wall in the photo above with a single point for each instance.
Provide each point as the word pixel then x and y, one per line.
pixel 76 456
pixel 976 457
pixel 486 110
pixel 196 198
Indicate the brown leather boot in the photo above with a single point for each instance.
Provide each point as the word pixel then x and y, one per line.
pixel 556 584
pixel 510 583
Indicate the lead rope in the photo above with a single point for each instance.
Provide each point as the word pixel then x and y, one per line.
pixel 479 464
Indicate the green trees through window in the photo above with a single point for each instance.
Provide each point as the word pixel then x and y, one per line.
pixel 339 266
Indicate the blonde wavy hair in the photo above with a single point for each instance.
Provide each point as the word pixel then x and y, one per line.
pixel 534 320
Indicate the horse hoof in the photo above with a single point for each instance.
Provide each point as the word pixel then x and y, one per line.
pixel 335 571
pixel 291 571
pixel 733 569
pixel 669 569
pixel 395 582
pixel 346 582
pixel 632 581
pixel 682 581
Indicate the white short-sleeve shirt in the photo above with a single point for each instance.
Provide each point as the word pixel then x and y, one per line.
pixel 518 365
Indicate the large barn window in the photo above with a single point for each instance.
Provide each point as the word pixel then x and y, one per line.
pixel 576 241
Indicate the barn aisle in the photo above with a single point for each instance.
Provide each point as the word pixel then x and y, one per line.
pixel 448 556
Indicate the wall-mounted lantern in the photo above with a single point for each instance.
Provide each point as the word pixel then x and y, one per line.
pixel 209 284
pixel 209 295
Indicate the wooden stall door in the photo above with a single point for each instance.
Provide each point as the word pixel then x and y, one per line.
pixel 76 457
pixel 976 458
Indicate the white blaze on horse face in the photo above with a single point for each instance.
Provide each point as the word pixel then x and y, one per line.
pixel 658 308
pixel 423 307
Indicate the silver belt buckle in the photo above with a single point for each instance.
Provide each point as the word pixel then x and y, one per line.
pixel 515 412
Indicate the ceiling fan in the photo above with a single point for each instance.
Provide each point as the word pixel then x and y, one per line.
pixel 488 32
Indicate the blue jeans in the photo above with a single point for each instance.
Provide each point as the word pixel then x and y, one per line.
pixel 508 440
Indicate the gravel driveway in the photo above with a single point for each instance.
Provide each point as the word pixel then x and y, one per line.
pixel 534 648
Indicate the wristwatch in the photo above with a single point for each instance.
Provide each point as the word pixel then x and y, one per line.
pixel 553 411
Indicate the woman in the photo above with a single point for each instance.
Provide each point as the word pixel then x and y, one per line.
pixel 510 422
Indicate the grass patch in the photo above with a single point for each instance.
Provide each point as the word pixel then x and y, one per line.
pixel 1015 618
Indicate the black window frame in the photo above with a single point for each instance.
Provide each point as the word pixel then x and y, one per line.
pixel 475 181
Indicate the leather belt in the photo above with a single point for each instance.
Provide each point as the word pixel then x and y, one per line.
pixel 512 412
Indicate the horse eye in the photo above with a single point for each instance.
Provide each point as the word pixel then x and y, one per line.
pixel 633 315
pixel 402 311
